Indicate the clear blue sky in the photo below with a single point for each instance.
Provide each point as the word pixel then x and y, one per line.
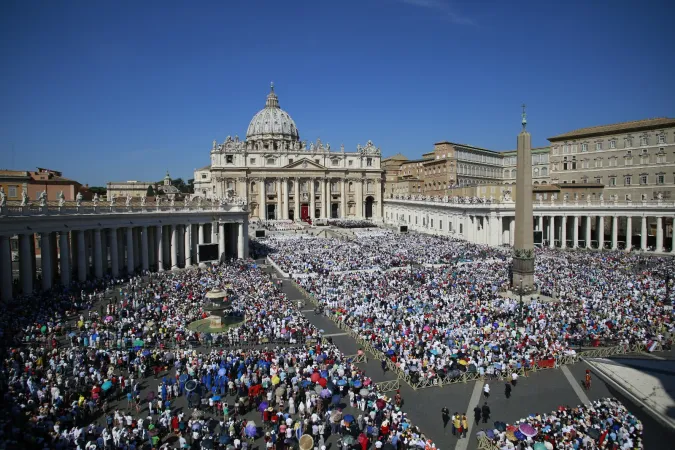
pixel 117 90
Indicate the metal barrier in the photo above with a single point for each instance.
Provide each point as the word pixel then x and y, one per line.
pixel 356 359
pixel 484 443
pixel 387 386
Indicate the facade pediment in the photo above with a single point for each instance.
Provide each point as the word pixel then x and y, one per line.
pixel 304 163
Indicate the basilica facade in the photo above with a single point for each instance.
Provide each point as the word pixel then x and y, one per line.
pixel 281 177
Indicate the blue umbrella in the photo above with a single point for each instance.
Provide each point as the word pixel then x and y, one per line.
pixel 107 385
pixel 357 383
pixel 336 399
pixel 221 372
pixel 305 383
pixel 146 353
pixel 349 418
pixel 341 382
pixel 216 398
pixel 251 429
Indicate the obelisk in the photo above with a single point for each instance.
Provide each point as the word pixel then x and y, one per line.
pixel 523 243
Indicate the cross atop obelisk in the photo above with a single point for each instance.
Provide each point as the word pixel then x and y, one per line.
pixel 523 244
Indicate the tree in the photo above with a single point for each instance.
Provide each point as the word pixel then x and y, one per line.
pixel 150 192
pixel 100 190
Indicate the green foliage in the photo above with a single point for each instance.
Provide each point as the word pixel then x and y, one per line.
pixel 150 192
pixel 100 190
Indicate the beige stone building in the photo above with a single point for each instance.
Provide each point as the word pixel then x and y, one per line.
pixel 541 173
pixel 635 161
pixel 283 178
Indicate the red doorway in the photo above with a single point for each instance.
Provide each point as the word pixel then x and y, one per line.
pixel 304 212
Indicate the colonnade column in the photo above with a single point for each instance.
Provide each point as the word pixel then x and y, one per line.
pixel 296 199
pixel 343 199
pixel 188 245
pixel 130 250
pixel 64 249
pixel 145 264
pixel 378 200
pixel 659 234
pixel 588 231
pixel 174 248
pixel 81 257
pixel 643 235
pixel 563 232
pixel 46 260
pixel 672 238
pixel 160 247
pixel 500 231
pixel 551 231
pixel 221 240
pixel 601 232
pixel 324 199
pixel 629 233
pixel 241 238
pixel 615 232
pixel 312 199
pixel 200 233
pixel 6 283
pixel 575 232
pixel 98 267
pixel 541 225
pixel 263 206
pixel 286 206
pixel 26 272
pixel 114 257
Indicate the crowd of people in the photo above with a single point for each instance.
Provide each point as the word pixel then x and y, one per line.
pixel 353 223
pixel 451 318
pixel 113 364
pixel 604 423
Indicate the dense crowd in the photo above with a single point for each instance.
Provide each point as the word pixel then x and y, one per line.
pixel 374 250
pixel 354 223
pixel 604 423
pixel 81 369
pixel 445 320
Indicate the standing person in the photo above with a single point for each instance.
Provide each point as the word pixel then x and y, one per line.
pixel 457 425
pixel 486 390
pixel 514 378
pixel 445 415
pixel 507 390
pixel 465 425
pixel 384 366
pixel 477 413
pixel 485 411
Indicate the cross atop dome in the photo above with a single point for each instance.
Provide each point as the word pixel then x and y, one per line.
pixel 272 99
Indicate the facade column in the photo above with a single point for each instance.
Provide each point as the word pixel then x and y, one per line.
pixel 312 199
pixel 588 231
pixel 629 233
pixel 152 253
pixel 296 199
pixel 672 238
pixel 278 214
pixel 512 229
pixel 114 257
pixel 120 250
pixel 214 232
pixel 137 248
pixel 286 206
pixel 174 248
pixel 187 238
pixel 221 241
pixel 26 272
pixel 201 233
pixel 98 267
pixel 263 203
pixel 343 198
pixel 46 260
pixel 6 282
pixel 64 249
pixel 241 237
pixel 322 184
pixel 551 231
pixel 563 232
pixel 499 235
pixel 378 200
pixel 541 225
pixel 359 200
pixel 145 263
pixel 159 246
pixel 575 232
pixel 130 250
pixel 643 235
pixel 601 232
pixel 615 232
pixel 659 234
pixel 81 256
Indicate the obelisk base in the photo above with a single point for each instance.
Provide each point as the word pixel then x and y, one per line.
pixel 523 276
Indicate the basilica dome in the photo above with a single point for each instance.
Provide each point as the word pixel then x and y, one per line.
pixel 272 122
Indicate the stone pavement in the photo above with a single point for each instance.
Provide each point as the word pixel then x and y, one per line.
pixel 539 392
pixel 648 382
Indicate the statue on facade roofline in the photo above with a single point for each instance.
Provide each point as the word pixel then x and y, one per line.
pixel 24 198
pixel 62 198
pixel 128 200
pixel 78 199
pixel 173 201
pixel 112 199
pixel 143 199
pixel 3 197
pixel 43 198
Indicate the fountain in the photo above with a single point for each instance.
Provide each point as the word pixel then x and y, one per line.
pixel 220 319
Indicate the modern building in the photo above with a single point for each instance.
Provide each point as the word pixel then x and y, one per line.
pixel 281 177
pixel 634 160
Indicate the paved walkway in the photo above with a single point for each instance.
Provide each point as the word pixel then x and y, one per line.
pixel 540 392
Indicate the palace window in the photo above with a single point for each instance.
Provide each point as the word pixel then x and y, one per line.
pixel 627 180
pixel 598 146
pixel 613 162
pixel 203 176
pixel 11 191
pixel 598 180
pixel 290 160
pixel 270 161
pixel 628 142
pixel 229 159
pixel 317 161
pixel 584 147
pixel 660 179
pixel 662 138
pixel 661 157
pixel 566 149
pixel 351 163
pixel 251 160
pixel 612 143
pixel 644 140
pixel 643 179
pixel 335 162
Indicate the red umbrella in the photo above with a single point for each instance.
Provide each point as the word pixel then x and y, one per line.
pixel 315 377
pixel 380 403
pixel 323 382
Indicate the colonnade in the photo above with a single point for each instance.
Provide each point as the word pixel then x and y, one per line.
pixel 93 251
pixel 317 197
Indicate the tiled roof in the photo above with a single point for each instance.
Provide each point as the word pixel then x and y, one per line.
pixel 635 125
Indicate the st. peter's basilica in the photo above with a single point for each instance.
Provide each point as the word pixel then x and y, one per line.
pixel 281 177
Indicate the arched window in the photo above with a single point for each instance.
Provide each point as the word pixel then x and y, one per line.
pixel 230 184
pixel 254 187
pixel 513 173
pixel 369 187
pixel 544 171
pixel 351 187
